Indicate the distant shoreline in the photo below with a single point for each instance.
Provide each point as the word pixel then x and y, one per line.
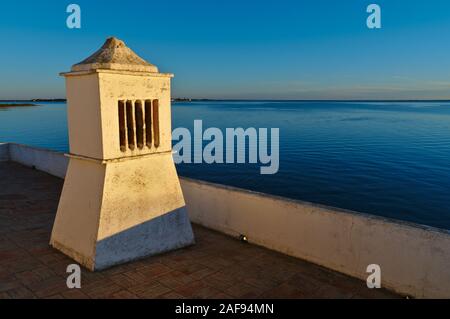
pixel 313 101
pixel 16 104
pixel 33 100
pixel 242 100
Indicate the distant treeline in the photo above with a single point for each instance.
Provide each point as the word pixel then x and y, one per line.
pixel 15 104
pixel 34 100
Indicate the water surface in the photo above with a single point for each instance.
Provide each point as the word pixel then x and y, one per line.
pixel 388 159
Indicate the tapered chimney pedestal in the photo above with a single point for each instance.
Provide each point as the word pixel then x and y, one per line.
pixel 121 198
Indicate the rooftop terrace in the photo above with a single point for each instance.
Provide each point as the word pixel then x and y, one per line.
pixel 218 266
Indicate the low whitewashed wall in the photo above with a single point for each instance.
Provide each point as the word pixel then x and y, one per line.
pixel 414 260
pixel 51 162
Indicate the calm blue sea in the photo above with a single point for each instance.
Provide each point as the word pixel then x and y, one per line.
pixel 387 159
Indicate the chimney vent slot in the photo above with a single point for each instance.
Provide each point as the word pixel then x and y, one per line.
pixel 148 123
pixel 122 124
pixel 156 122
pixel 139 124
pixel 130 126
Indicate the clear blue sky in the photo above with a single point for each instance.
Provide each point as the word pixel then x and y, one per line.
pixel 303 49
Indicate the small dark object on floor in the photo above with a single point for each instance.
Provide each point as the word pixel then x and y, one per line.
pixel 243 238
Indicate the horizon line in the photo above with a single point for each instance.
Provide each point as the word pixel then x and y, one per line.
pixel 264 100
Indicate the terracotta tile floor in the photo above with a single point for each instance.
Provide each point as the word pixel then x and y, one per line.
pixel 216 267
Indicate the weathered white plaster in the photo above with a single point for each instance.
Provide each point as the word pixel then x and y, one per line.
pixel 167 232
pixel 47 161
pixel 120 201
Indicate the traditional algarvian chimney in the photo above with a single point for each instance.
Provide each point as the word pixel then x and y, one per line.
pixel 121 198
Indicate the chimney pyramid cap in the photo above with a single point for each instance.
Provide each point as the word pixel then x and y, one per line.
pixel 115 55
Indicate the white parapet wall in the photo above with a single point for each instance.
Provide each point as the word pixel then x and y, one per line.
pixel 414 259
pixel 51 162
